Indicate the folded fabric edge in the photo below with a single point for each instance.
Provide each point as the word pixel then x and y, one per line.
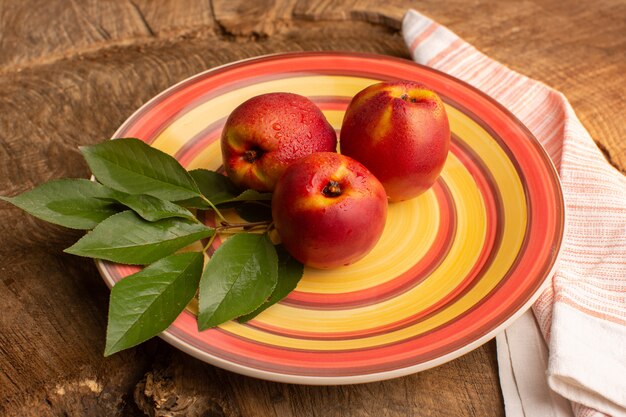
pixel 522 361
pixel 512 401
pixel 595 358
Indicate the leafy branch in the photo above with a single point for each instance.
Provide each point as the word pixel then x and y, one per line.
pixel 140 211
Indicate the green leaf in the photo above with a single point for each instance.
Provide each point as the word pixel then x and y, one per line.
pixel 194 203
pixel 151 208
pixel 251 195
pixel 219 189
pixel 289 274
pixel 144 304
pixel 216 187
pixel 240 276
pixel 73 203
pixel 127 238
pixel 254 211
pixel 133 166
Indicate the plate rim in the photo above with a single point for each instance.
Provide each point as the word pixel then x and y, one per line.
pixel 375 376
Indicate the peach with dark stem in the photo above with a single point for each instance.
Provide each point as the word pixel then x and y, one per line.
pixel 263 135
pixel 328 210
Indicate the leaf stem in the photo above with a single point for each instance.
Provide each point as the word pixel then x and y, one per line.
pixel 227 224
pixel 219 214
pixel 237 232
pixel 227 227
pixel 210 242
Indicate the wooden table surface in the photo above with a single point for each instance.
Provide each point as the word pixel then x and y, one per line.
pixel 72 71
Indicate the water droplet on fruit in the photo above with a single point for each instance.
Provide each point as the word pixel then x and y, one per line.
pixel 277 126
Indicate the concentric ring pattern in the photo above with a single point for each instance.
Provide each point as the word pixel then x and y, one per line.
pixel 452 267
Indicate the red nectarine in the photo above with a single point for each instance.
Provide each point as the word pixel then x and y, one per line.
pixel 329 210
pixel 400 132
pixel 263 135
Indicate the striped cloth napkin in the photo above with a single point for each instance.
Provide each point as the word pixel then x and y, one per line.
pixel 582 315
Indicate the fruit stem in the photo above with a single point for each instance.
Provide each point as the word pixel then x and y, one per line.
pixel 406 97
pixel 250 156
pixel 332 189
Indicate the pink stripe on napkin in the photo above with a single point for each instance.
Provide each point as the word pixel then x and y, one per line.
pixel 582 315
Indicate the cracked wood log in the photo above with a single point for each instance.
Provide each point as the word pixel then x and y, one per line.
pixel 71 72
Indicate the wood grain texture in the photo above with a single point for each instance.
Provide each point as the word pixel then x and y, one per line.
pixel 72 72
pixel 388 13
pixel 189 391
pixel 40 29
pixel 175 18
pixel 256 19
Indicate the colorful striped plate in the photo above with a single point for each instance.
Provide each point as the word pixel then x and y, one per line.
pixel 453 267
